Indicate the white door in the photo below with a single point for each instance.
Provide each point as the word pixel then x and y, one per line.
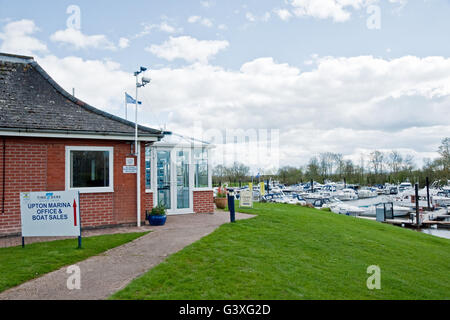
pixel 182 201
pixel 174 180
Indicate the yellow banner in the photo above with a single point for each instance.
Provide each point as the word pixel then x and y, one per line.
pixel 262 189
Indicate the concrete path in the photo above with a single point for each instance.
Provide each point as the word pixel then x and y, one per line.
pixel 103 275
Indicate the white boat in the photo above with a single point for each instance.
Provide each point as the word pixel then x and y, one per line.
pixel 347 210
pixel 339 207
pixel 405 186
pixel 408 199
pixel 398 211
pixel 367 193
pixel 440 197
pixel 347 195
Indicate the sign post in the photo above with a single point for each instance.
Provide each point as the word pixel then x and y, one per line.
pixel 50 214
pixel 246 199
pixel 231 206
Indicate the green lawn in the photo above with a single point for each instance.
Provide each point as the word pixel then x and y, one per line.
pixel 19 265
pixel 289 252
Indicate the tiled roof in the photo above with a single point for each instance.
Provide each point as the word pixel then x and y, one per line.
pixel 30 100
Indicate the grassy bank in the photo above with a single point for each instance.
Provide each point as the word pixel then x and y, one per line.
pixel 289 252
pixel 19 265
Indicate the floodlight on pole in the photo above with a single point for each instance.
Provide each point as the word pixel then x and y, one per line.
pixel 143 83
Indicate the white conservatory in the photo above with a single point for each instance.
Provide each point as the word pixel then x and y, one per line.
pixel 178 173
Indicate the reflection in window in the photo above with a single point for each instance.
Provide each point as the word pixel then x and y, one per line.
pixel 148 169
pixel 89 169
pixel 201 168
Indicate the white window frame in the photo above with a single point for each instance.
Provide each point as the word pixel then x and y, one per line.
pixel 152 170
pixel 209 187
pixel 111 169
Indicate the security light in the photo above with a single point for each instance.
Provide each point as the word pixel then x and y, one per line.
pixel 146 80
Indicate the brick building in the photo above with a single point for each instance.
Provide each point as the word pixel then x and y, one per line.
pixel 52 141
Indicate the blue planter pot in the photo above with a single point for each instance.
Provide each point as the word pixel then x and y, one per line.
pixel 157 220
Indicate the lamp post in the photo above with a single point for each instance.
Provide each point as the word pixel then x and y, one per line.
pixel 143 83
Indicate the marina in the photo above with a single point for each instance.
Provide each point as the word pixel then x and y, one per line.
pixel 392 204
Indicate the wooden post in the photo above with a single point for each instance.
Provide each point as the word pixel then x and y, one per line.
pixel 312 186
pixel 345 183
pixel 417 206
pixel 428 194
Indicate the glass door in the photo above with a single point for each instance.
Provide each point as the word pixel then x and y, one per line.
pixel 174 180
pixel 183 190
pixel 163 168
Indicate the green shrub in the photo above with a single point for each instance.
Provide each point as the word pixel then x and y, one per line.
pixel 160 210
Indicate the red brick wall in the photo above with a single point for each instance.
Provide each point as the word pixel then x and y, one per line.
pixel 203 201
pixel 38 164
pixel 147 199
pixel 97 209
pixel 26 168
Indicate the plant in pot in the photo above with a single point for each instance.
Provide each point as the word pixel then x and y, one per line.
pixel 157 216
pixel 221 198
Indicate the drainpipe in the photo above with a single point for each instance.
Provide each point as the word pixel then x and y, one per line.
pixel 4 175
pixel 138 186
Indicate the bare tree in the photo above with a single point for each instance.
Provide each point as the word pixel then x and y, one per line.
pixel 340 163
pixel 408 163
pixel 444 151
pixel 376 160
pixel 395 161
pixel 326 163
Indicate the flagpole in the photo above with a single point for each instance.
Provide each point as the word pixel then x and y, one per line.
pixel 126 107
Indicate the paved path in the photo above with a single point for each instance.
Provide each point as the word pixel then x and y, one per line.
pixel 103 275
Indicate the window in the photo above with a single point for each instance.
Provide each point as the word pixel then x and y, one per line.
pixel 89 169
pixel 201 168
pixel 148 169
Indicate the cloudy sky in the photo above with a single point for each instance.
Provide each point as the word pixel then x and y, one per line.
pixel 346 76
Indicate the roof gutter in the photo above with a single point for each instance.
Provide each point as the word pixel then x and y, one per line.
pixel 69 134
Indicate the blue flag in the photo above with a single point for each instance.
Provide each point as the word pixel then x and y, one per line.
pixel 130 99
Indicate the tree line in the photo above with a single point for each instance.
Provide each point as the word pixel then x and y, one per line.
pixel 376 167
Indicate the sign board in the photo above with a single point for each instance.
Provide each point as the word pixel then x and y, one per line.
pixel 130 162
pixel 246 199
pixel 129 169
pixel 50 214
pixel 262 190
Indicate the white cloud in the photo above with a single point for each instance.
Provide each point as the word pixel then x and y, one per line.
pixel 124 43
pixel 254 18
pixel 250 17
pixel 283 14
pixel 203 21
pixel 206 4
pixel 100 83
pixel 188 48
pixel 17 38
pixel 342 105
pixel 338 10
pixel 163 26
pixel 194 19
pixel 79 40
